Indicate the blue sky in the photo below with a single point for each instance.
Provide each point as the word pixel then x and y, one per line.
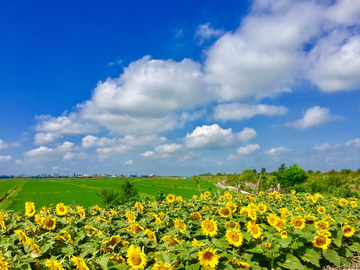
pixel 179 87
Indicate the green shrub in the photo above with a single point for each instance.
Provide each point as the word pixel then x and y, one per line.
pixel 113 197
pixel 294 175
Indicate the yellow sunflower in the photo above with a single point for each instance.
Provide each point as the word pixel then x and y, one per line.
pixel 261 193
pixel 162 266
pixel 207 193
pixel 279 224
pixel 209 227
pixel 348 231
pixel 232 206
pixel 180 224
pixel 300 209
pixel 39 219
pixel 49 223
pixel 170 198
pixel 81 211
pixel 119 259
pixel 283 234
pixel 293 191
pixel 252 214
pixel 284 212
pixel 195 216
pixel 136 259
pixel 271 219
pixel 240 264
pixel 267 244
pixel 343 202
pixel 254 229
pixel 196 243
pixel 3 264
pixel 136 228
pixel 61 209
pixel 195 197
pixel 171 240
pixel 298 222
pixel 79 263
pixel 112 242
pixel 353 204
pixel 229 196
pixel 179 199
pixel 29 209
pixel 208 258
pixel 68 236
pixel 53 265
pixel 322 224
pixel 244 211
pixel 23 237
pixel 34 246
pixel 225 212
pixel 139 206
pixel 130 216
pixel 234 237
pixel 321 242
pixel 321 210
pixel 149 234
pixel 232 224
pixel 262 208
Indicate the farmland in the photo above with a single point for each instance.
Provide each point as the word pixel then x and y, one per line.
pixel 83 192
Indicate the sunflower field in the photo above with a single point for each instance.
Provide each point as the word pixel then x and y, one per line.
pixel 265 231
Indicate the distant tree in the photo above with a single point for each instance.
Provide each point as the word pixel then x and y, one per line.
pixel 263 170
pixel 292 176
pixel 113 197
pixel 219 174
pixel 281 168
pixel 310 171
pixel 346 171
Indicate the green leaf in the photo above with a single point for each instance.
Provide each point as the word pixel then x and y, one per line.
pixel 285 242
pixel 292 263
pixel 338 237
pixel 332 256
pixel 344 261
pixel 311 256
pixel 164 257
pixel 195 266
pixel 256 249
pixel 225 266
pixel 355 247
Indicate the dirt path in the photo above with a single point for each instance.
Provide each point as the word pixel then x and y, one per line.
pixel 231 188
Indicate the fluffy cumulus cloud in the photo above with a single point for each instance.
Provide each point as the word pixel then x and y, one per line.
pixel 168 148
pixel 3 144
pixel 278 151
pixel 47 138
pixel 189 156
pixel 215 137
pixel 315 116
pixel 129 162
pixel 247 149
pixel 5 158
pixel 354 143
pixel 146 97
pixel 66 151
pixel 237 111
pixel 71 124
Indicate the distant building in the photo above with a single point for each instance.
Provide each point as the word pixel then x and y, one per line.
pixel 104 175
pixel 152 175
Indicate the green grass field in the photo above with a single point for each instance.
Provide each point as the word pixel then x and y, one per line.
pixel 84 192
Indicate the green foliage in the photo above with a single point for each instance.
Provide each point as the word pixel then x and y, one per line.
pixel 160 196
pixel 113 197
pixel 219 174
pixel 294 175
pixel 263 170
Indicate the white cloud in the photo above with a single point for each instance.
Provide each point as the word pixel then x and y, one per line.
pixel 5 158
pixel 91 141
pixel 129 162
pixel 145 98
pixel 67 150
pixel 246 134
pixel 219 163
pixel 232 157
pixel 215 137
pixel 278 151
pixel 336 63
pixel 237 111
pixel 189 156
pixel 315 116
pixel 168 148
pixel 326 146
pixel 355 142
pixel 3 144
pixel 206 32
pixel 152 155
pixel 247 149
pixel 105 152
pixel 46 138
pixel 65 124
